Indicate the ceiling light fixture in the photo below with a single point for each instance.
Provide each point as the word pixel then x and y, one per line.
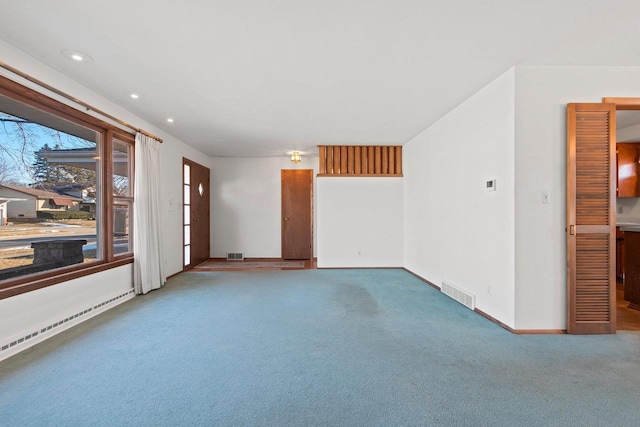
pixel 170 120
pixel 77 56
pixel 296 157
pixel 134 96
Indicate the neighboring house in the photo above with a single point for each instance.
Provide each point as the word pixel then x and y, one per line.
pixel 34 200
pixel 77 191
pixel 4 202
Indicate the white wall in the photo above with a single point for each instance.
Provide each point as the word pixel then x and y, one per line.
pixel 63 297
pixel 25 207
pixel 171 157
pixel 171 153
pixel 542 94
pixel 360 222
pixel 246 205
pixel 29 312
pixel 454 230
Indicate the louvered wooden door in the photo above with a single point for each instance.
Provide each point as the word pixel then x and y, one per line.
pixel 591 218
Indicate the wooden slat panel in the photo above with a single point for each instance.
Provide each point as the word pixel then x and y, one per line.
pixel 385 160
pixel 592 276
pixel 322 154
pixel 378 160
pixel 370 161
pixel 365 158
pixel 343 160
pixel 592 168
pixel 354 160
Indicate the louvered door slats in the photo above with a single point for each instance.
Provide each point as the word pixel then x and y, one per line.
pixel 590 250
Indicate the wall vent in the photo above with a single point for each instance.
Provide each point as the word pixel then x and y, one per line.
pixel 463 297
pixel 235 256
pixel 53 326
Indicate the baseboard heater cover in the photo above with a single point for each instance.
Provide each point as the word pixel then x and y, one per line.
pixel 56 326
pixel 464 297
pixel 235 256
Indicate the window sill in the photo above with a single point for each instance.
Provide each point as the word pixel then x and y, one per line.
pixel 28 283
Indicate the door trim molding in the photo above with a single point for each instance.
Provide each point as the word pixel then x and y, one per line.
pixel 623 103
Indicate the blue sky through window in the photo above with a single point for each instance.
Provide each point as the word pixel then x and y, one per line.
pixel 20 139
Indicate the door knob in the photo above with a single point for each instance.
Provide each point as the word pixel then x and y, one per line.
pixel 286 219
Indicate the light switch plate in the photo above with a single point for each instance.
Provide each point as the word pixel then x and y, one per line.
pixel 546 197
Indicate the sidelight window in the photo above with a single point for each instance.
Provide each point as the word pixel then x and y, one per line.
pixel 186 191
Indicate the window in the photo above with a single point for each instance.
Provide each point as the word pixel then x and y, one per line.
pixel 186 191
pixel 65 192
pixel 122 196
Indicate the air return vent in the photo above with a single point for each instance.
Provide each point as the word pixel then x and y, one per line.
pixel 235 256
pixel 463 297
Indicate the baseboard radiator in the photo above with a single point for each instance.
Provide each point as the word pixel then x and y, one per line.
pixel 457 293
pixel 235 256
pixel 22 343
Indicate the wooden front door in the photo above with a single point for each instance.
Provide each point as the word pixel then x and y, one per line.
pixel 591 290
pixel 297 211
pixel 196 216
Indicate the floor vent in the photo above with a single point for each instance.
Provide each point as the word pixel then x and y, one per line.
pixel 463 297
pixel 235 256
pixel 61 322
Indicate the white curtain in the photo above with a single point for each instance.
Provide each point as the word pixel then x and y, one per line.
pixel 148 266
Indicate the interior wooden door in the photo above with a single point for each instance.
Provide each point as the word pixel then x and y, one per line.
pixel 591 205
pixel 297 213
pixel 196 214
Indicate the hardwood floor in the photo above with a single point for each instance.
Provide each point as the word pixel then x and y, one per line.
pixel 627 319
pixel 249 265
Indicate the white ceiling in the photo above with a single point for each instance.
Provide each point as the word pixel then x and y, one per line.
pixel 260 78
pixel 625 119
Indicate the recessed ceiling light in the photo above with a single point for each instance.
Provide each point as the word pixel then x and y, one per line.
pixel 134 96
pixel 170 120
pixel 77 56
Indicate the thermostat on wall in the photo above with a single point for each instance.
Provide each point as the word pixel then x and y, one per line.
pixel 491 185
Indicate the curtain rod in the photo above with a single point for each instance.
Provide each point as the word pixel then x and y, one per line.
pixel 77 101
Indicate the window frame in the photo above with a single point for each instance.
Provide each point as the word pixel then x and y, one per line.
pixel 30 282
pixel 128 139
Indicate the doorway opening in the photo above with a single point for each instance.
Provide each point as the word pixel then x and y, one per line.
pixel 195 214
pixel 627 216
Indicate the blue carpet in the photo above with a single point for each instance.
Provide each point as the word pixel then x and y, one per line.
pixel 315 348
